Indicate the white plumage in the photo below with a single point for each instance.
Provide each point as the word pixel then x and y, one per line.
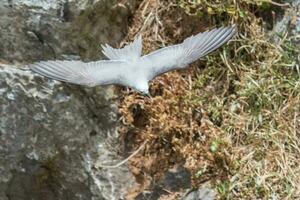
pixel 127 67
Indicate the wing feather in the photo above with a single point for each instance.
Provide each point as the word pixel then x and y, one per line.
pixel 192 48
pixel 94 73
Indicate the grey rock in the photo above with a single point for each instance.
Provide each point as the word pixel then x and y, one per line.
pixel 46 29
pixel 290 23
pixel 51 137
pixel 174 180
pixel 200 194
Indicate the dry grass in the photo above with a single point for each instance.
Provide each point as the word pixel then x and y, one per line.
pixel 233 119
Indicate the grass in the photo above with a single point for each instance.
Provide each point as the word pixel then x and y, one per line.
pixel 232 119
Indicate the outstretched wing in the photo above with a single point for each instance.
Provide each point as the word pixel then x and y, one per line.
pixel 131 51
pixel 192 48
pixel 94 73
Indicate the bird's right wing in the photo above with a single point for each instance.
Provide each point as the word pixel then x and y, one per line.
pixel 192 48
pixel 93 73
pixel 132 51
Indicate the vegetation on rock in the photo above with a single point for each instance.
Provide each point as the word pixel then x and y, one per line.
pixel 232 118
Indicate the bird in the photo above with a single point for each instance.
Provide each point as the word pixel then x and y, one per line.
pixel 128 67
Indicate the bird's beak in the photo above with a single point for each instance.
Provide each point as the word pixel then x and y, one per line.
pixel 147 95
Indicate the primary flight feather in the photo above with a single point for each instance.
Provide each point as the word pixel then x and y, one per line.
pixel 128 67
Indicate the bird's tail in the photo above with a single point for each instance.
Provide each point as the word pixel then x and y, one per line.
pixel 130 52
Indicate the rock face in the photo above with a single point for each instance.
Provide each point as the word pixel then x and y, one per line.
pixel 174 180
pixel 52 134
pixel 290 22
pixel 50 139
pixel 200 194
pixel 47 29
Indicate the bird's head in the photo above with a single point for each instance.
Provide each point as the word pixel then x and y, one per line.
pixel 144 89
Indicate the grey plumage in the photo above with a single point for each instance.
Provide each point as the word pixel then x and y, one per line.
pixel 127 67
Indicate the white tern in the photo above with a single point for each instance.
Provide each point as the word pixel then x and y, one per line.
pixel 128 67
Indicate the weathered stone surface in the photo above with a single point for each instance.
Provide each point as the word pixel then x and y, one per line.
pixel 200 194
pixel 52 134
pixel 290 23
pixel 47 29
pixel 174 180
pixel 51 137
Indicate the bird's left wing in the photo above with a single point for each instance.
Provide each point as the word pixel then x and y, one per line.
pixel 93 73
pixel 192 48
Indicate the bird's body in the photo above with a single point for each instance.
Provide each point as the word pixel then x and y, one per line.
pixel 127 67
